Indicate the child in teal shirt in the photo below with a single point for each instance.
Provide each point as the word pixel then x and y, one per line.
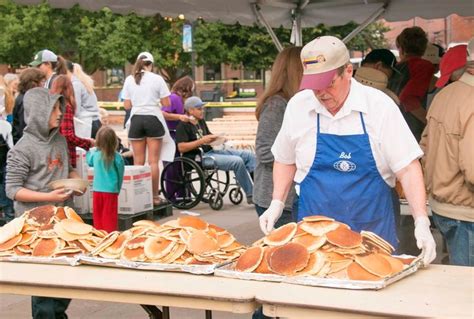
pixel 108 177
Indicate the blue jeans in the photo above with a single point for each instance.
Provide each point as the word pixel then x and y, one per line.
pixel 241 162
pixel 49 308
pixel 459 236
pixel 5 202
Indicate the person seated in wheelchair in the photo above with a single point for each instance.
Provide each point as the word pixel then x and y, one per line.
pixel 194 138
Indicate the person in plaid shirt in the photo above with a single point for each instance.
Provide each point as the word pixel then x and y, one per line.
pixel 62 85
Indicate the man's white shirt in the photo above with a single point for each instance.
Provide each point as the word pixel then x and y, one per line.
pixel 393 145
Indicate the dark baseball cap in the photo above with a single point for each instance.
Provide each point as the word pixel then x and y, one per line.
pixel 381 55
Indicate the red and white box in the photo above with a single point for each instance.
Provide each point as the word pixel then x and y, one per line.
pixel 136 194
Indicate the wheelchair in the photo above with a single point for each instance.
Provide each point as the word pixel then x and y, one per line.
pixel 185 183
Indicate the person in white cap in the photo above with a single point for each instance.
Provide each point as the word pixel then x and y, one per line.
pixel 343 143
pixel 50 64
pixel 143 92
pixel 449 171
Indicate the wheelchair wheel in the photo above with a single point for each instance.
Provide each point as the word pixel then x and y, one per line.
pixel 218 180
pixel 182 183
pixel 236 196
pixel 216 201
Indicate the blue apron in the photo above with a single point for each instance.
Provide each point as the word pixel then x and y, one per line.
pixel 344 183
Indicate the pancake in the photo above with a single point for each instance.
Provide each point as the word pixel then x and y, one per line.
pixel 133 254
pixel 233 247
pixel 24 249
pixel 336 257
pixel 345 238
pixel 264 268
pixel 12 242
pixel 59 213
pixel 45 248
pixel 105 254
pixel 312 243
pixel 193 222
pixel 157 248
pixel 117 246
pixel 41 215
pixel 146 223
pixel 299 231
pixel 11 229
pixel 315 264
pixel 406 261
pixel 396 264
pixel 225 239
pixel 67 236
pixel 289 259
pixel 68 252
pixel 317 218
pixel 378 241
pixel 217 229
pixel 338 266
pixel 19 252
pixel 250 259
pixel 319 228
pixel 375 264
pixel 136 242
pixel 71 213
pixel 105 243
pixel 99 233
pixel 199 242
pixel 46 231
pixel 356 272
pixel 175 253
pixel 281 235
pixel 184 235
pixel 74 227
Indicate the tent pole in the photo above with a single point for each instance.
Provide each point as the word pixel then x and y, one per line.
pixel 377 14
pixel 258 14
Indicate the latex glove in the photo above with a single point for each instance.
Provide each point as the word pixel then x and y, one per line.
pixel 271 215
pixel 424 239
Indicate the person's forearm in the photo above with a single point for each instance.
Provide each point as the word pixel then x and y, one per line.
pixel 283 176
pixel 185 147
pixel 171 116
pixel 27 195
pixel 420 114
pixel 411 178
pixel 127 104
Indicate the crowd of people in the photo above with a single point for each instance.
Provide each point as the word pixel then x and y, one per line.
pixel 331 141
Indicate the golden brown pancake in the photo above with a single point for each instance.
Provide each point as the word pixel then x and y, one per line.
pixel 157 248
pixel 319 228
pixel 233 247
pixel 281 235
pixel 396 264
pixel 312 243
pixel 225 239
pixel 71 213
pixel 41 215
pixel 345 238
pixel 60 213
pixel 133 254
pixel 193 222
pixel 27 238
pixel 74 227
pixel 315 264
pixel 104 244
pixel 317 218
pixel 250 259
pixel 11 229
pixel 289 259
pixel 263 268
pixel 199 242
pixel 356 272
pixel 9 244
pixel 375 264
pixel 45 248
pixel 136 242
pixel 119 243
pixel 217 229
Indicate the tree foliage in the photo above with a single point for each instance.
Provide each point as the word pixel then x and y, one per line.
pixel 103 39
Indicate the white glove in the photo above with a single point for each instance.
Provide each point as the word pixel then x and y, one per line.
pixel 424 239
pixel 271 215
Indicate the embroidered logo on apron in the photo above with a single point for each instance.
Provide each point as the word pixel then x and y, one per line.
pixel 345 166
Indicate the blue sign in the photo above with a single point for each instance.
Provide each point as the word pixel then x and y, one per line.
pixel 187 38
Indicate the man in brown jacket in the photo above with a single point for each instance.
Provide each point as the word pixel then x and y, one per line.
pixel 449 166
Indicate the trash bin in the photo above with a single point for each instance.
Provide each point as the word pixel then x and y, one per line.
pixel 213 96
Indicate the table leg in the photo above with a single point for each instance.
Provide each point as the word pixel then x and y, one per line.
pixel 166 312
pixel 154 313
pixel 208 314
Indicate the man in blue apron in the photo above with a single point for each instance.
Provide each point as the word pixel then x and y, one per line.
pixel 344 144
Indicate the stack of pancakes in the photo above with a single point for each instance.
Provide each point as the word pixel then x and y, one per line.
pixel 187 240
pixel 320 246
pixel 48 231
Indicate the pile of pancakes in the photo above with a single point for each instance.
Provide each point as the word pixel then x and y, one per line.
pixel 48 231
pixel 320 246
pixel 187 240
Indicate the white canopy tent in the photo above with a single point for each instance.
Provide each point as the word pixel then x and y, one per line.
pixel 274 13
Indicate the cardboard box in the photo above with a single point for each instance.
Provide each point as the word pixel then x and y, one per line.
pixel 82 203
pixel 136 194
